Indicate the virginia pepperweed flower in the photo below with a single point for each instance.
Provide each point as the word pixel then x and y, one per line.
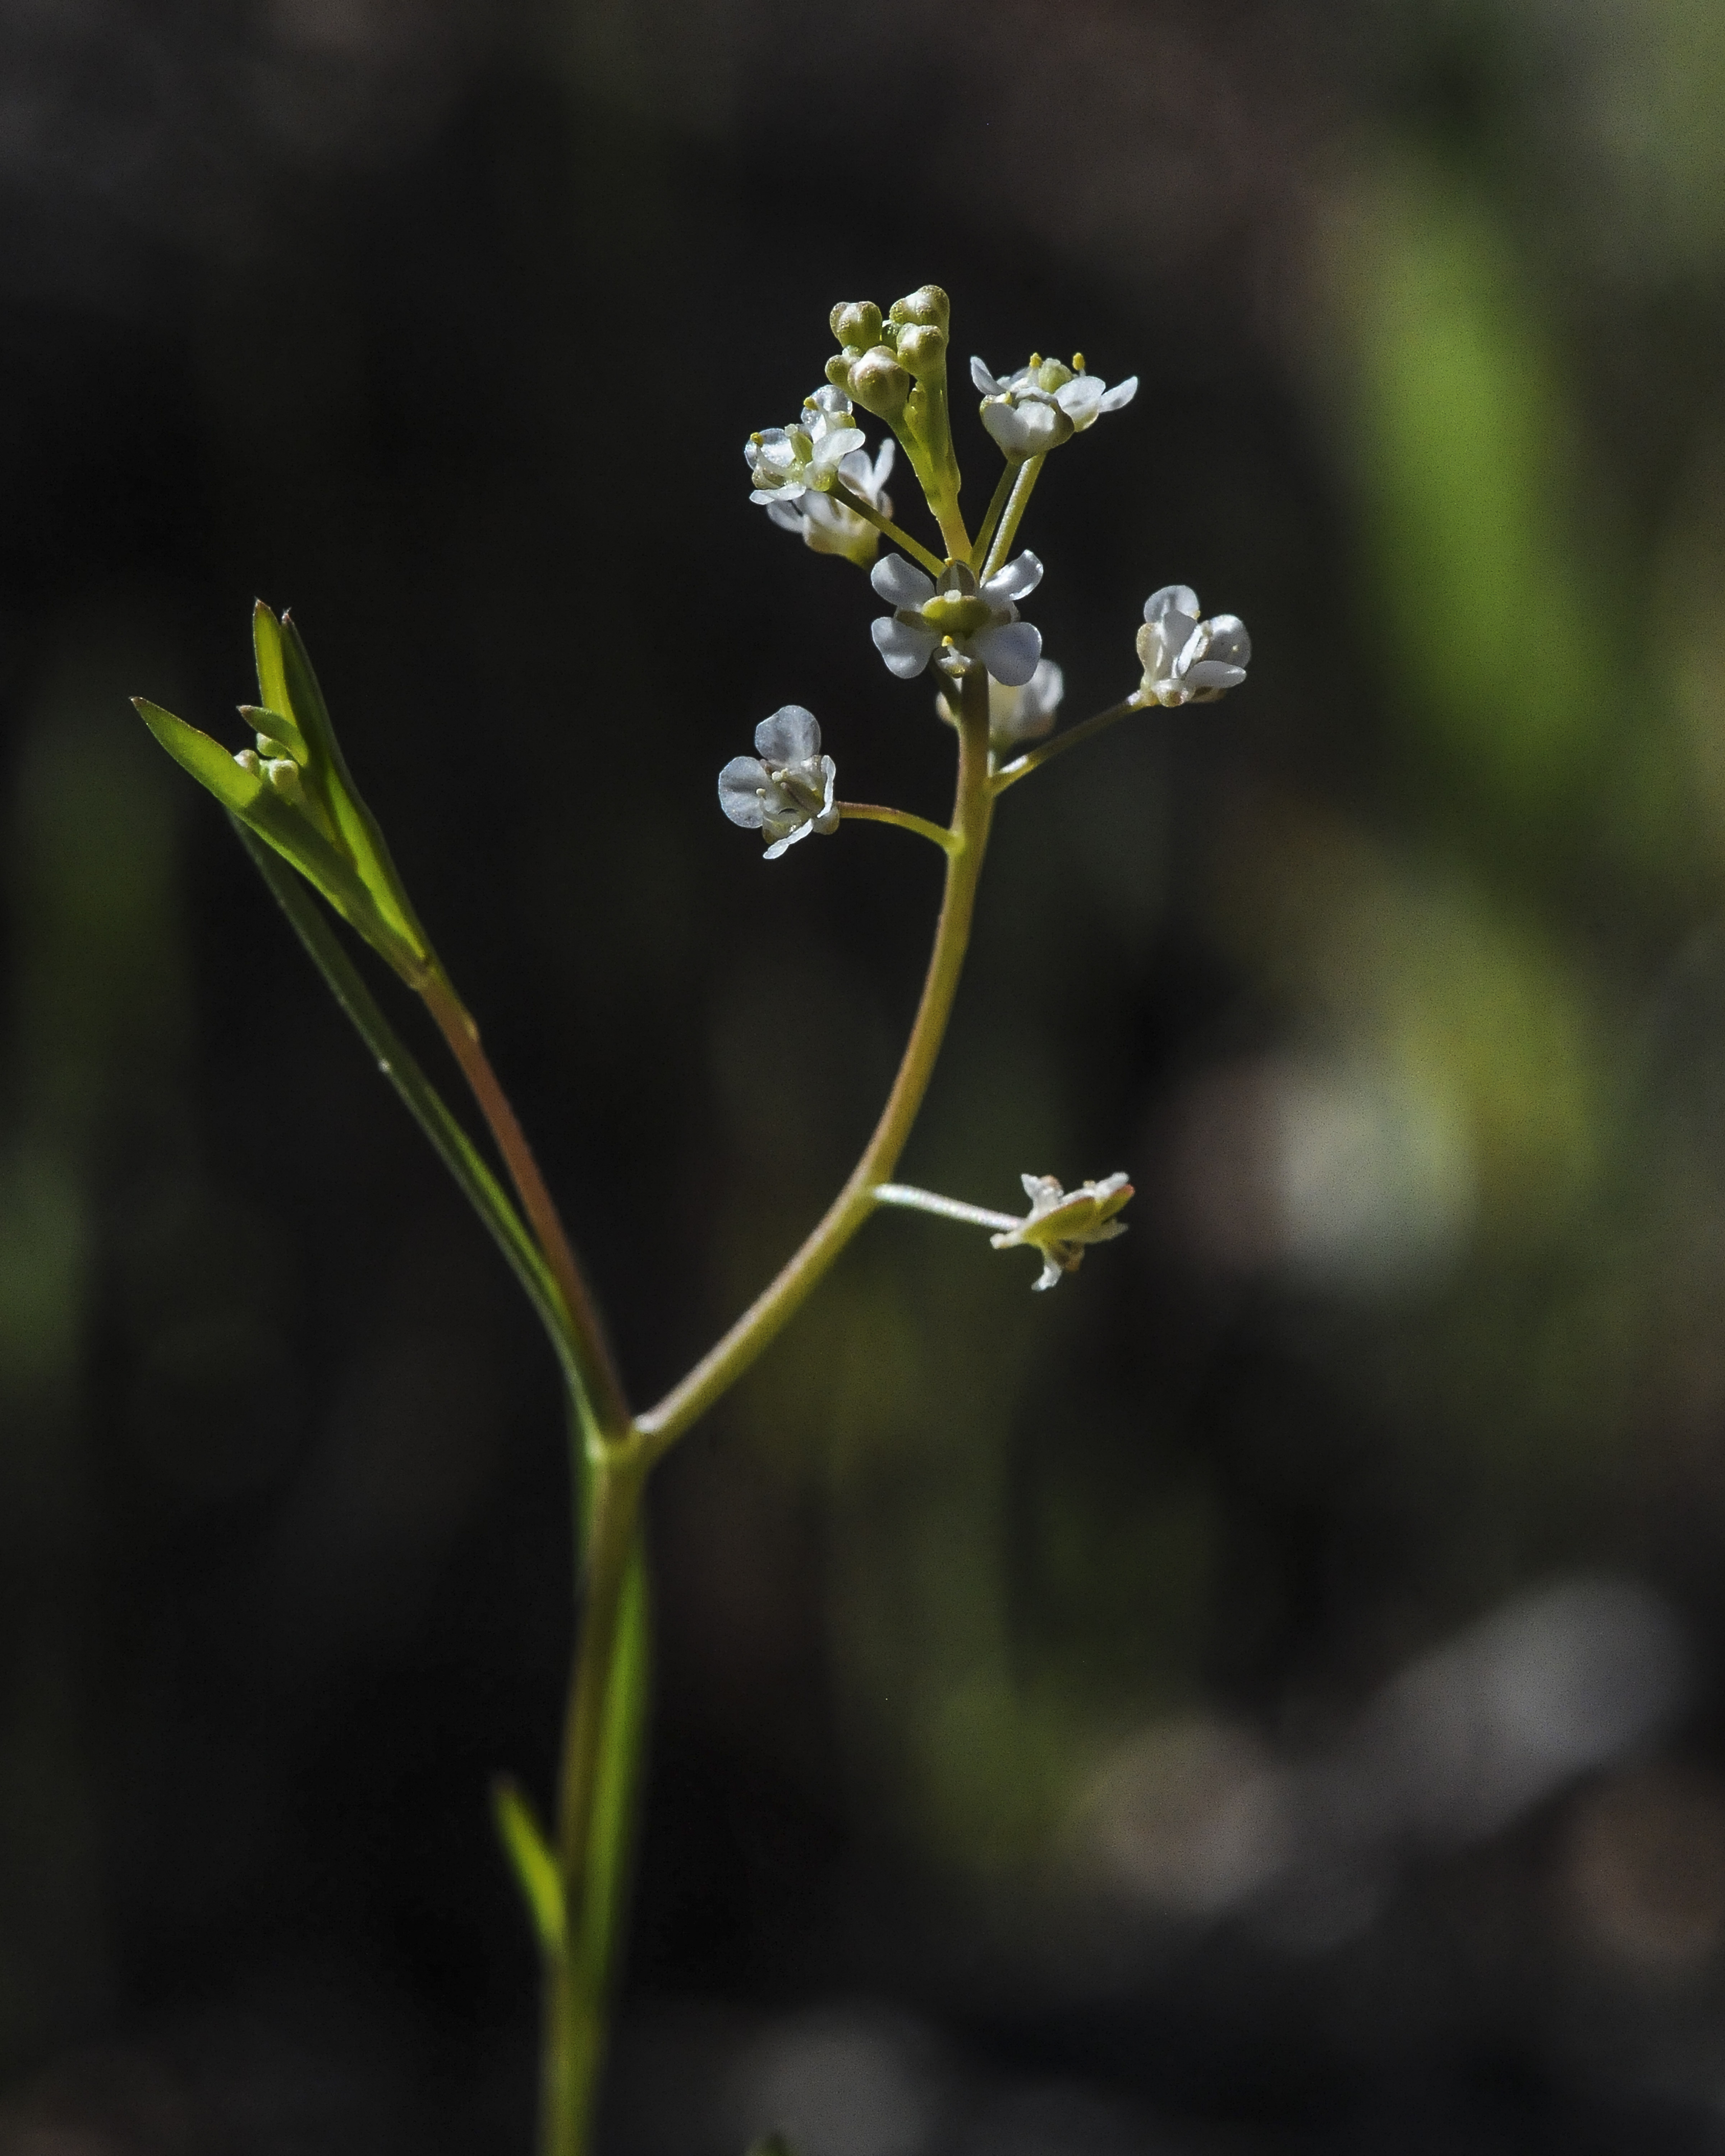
pixel 786 788
pixel 826 524
pixel 785 461
pixel 980 621
pixel 1045 403
pixel 1187 661
pixel 1061 1223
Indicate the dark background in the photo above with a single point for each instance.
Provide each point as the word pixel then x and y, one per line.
pixel 1266 1696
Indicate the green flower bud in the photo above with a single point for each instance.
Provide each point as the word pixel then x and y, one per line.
pixel 879 383
pixel 928 305
pixel 856 322
pixel 922 349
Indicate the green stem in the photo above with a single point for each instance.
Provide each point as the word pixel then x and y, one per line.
pixel 868 811
pixel 1021 766
pixel 602 1387
pixel 721 1367
pixel 1029 471
pixel 948 1209
pixel 870 515
pixel 602 1726
pixel 1002 489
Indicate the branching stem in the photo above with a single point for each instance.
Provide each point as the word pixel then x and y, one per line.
pixel 869 812
pixel 852 501
pixel 719 1369
pixel 1021 766
pixel 1023 486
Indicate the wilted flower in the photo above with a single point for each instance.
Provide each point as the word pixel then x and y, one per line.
pixel 786 788
pixel 1028 713
pixel 1061 1223
pixel 1045 403
pixel 787 460
pixel 981 621
pixel 826 524
pixel 1187 661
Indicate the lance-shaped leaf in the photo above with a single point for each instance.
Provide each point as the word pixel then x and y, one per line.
pixel 530 1859
pixel 303 802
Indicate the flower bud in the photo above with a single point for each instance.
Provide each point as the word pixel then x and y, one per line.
pixel 928 305
pixel 856 323
pixel 879 383
pixel 922 349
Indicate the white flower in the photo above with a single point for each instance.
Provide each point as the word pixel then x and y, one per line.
pixel 1025 714
pixel 981 623
pixel 825 523
pixel 1187 661
pixel 787 460
pixel 1060 1223
pixel 1045 403
pixel 786 788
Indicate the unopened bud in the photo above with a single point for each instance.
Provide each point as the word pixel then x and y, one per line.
pixel 879 383
pixel 922 349
pixel 857 323
pixel 927 305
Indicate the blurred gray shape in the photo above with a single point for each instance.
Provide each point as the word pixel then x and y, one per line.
pixel 1199 1821
pixel 1544 1689
pixel 854 2081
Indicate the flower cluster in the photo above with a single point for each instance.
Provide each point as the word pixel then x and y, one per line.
pixel 827 523
pixel 1187 661
pixel 786 788
pixel 1060 1223
pixel 1044 403
pixel 786 462
pixel 965 623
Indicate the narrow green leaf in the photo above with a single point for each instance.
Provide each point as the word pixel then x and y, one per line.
pixel 208 762
pixel 424 1102
pixel 359 829
pixel 266 644
pixel 530 1859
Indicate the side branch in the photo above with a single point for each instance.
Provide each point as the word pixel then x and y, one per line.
pixel 720 1368
pixel 854 502
pixel 591 1350
pixel 869 812
pixel 1021 766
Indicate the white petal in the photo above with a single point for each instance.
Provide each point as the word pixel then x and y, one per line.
pixel 789 736
pixel 1171 598
pixel 788 515
pixel 1120 395
pixel 906 650
pixel 1047 686
pixel 789 838
pixel 1027 429
pixel 883 469
pixel 1010 653
pixel 1229 640
pixel 769 495
pixel 899 583
pixel 1213 673
pixel 1051 1274
pixel 739 795
pixel 985 382
pixel 1015 580
pixel 828 819
pixel 1081 398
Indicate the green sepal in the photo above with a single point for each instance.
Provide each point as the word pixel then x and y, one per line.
pixel 250 797
pixel 530 1859
pixel 277 726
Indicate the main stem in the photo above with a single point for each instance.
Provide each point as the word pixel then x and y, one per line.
pixel 600 1742
pixel 972 813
